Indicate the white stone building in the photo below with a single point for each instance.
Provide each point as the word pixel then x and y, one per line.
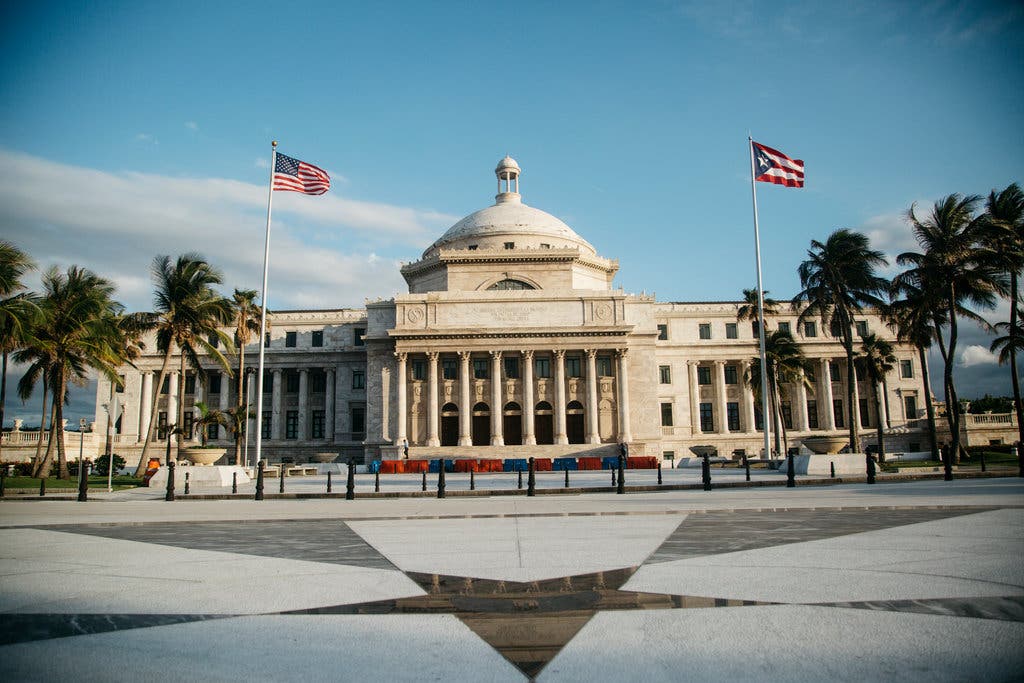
pixel 512 342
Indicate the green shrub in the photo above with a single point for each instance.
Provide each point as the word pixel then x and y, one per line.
pixel 103 462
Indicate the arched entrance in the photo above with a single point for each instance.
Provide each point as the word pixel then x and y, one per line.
pixel 543 424
pixel 481 425
pixel 512 424
pixel 450 425
pixel 574 422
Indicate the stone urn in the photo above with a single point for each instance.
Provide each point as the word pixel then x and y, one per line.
pixel 825 444
pixel 701 451
pixel 325 456
pixel 201 456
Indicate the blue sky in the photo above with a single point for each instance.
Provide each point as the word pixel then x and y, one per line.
pixel 134 129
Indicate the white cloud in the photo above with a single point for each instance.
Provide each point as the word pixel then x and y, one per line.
pixel 192 125
pixel 977 355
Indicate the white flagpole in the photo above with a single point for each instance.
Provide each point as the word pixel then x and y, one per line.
pixel 263 312
pixel 765 418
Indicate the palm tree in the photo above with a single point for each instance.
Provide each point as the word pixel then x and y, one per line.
pixel 1004 212
pixel 911 315
pixel 748 309
pixel 957 269
pixel 877 359
pixel 785 364
pixel 128 346
pixel 247 324
pixel 18 310
pixel 187 313
pixel 207 417
pixel 838 280
pixel 74 335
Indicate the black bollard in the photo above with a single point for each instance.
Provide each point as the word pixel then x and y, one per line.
pixel 259 479
pixel 832 470
pixel 423 486
pixel 520 478
pixel 280 478
pixel 614 478
pixel 3 478
pixel 42 487
pixel 983 461
pixel 472 480
pixel 440 479
pixel 170 481
pixel 567 479
pixel 1020 459
pixel 350 484
pixel 947 463
pixel 83 482
pixel 531 481
pixel 376 481
pixel 705 467
pixel 790 472
pixel 234 482
pixel 659 474
pixel 746 466
pixel 871 469
pixel 329 486
pixel 186 483
pixel 622 475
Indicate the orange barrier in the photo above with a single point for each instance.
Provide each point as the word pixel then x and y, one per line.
pixel 642 463
pixel 391 466
pixel 489 465
pixel 465 465
pixel 588 463
pixel 416 466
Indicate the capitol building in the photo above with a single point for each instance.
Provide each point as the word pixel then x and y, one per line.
pixel 513 342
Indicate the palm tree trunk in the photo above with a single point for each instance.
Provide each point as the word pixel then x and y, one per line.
pixel 58 417
pixel 951 400
pixel 851 377
pixel 929 408
pixel 46 464
pixel 3 396
pixel 43 429
pixel 885 403
pixel 108 446
pixel 241 402
pixel 881 431
pixel 141 469
pixel 182 436
pixel 1013 356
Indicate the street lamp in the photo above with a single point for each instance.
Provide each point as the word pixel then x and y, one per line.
pixel 83 479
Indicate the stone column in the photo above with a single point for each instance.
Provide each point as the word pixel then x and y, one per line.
pixel 691 373
pixel 145 404
pixel 432 439
pixel 385 400
pixel 560 436
pixel 225 386
pixel 276 397
pixel 801 404
pixel 497 424
pixel 856 402
pixel 625 434
pixel 329 404
pixel 466 409
pixel 826 417
pixel 197 396
pixel 172 404
pixel 303 403
pixel 723 423
pixel 400 409
pixel 529 435
pixel 749 423
pixel 593 436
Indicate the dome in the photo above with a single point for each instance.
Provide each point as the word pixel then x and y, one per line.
pixel 509 220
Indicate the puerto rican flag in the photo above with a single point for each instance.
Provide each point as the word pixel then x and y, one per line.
pixel 772 166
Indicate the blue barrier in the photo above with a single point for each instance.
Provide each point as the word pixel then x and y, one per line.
pixel 435 465
pixel 515 465
pixel 610 463
pixel 561 464
pixel 374 466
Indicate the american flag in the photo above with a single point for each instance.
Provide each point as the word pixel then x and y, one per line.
pixel 772 166
pixel 293 175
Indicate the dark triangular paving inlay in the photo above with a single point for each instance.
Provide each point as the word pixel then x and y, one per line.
pixel 23 628
pixel 998 608
pixel 713 533
pixel 329 541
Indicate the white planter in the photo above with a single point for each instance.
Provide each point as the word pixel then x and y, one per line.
pixel 202 456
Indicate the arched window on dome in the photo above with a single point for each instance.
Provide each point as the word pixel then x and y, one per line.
pixel 511 284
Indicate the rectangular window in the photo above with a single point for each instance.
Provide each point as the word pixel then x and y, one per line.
pixel 787 414
pixel 810 329
pixel 510 245
pixel 317 425
pixel 730 331
pixel 865 416
pixel 604 366
pixel 785 329
pixel 358 421
pixel 318 381
pixel 419 369
pixel 665 374
pixel 542 367
pixel 833 371
pixel 291 382
pixel 265 426
pixel 190 384
pixel 666 414
pixel 166 386
pixel 268 382
pixel 812 414
pixel 480 370
pixel 266 340
pixel 862 328
pixel 449 368
pixel 213 340
pixel 357 335
pixel 188 423
pixel 910 407
pixel 291 424
pixel 730 374
pixel 358 379
pixel 291 339
pixel 732 413
pixel 758 419
pixel 906 369
pixel 161 425
pixel 212 431
pixel 704 330
pixel 119 388
pixel 755 329
pixel 213 381
pixel 668 455
pixel 703 375
pixel 662 332
pixel 512 367
pixel 811 373
pixel 572 366
pixel 317 338
pixel 837 413
pixel 707 418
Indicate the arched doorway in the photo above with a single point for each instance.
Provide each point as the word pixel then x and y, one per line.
pixel 450 425
pixel 512 424
pixel 574 422
pixel 481 425
pixel 543 424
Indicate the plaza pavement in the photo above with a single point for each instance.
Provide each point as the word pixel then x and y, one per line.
pixel 909 581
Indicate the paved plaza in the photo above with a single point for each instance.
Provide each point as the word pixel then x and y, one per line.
pixel 914 581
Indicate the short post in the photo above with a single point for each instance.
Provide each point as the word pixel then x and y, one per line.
pixel 42 487
pixel 746 466
pixel 871 469
pixel 1020 459
pixel 947 462
pixel 329 482
pixel 567 479
pixel 622 475
pixel 790 472
pixel 83 481
pixel 520 478
pixel 3 479
pixel 832 469
pixel 423 485
pixel 531 481
pixel 186 484
pixel 983 461
pixel 234 482
pixel 440 479
pixel 659 474
pixel 280 477
pixel 170 481
pixel 472 480
pixel 614 477
pixel 350 484
pixel 376 481
pixel 259 479
pixel 705 468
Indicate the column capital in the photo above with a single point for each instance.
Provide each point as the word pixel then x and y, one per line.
pixel 558 353
pixel 591 353
pixel 719 363
pixel 401 356
pixel 622 353
pixel 465 355
pixel 433 356
pixel 303 371
pixel 495 355
pixel 527 355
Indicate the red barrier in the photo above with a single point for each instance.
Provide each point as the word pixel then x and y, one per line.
pixel 465 465
pixel 642 463
pixel 489 465
pixel 391 466
pixel 416 466
pixel 588 463
pixel 542 464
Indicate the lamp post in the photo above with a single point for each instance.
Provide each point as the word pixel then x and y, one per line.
pixel 83 478
pixel 245 424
